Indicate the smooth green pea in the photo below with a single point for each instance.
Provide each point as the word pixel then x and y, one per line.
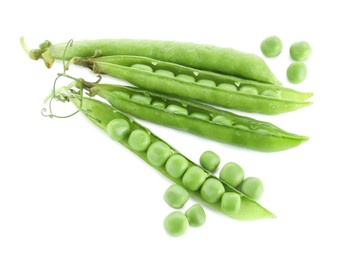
pixel 139 140
pixel 142 67
pixel 271 93
pixel 158 104
pixel 121 94
pixel 176 196
pixel 300 51
pixel 212 190
pixel 222 120
pixel 193 178
pixel 196 215
pixel 177 109
pixel 199 115
pixel 185 77
pixel 232 174
pixel 206 82
pixel 164 73
pixel 141 99
pixel 176 165
pixel 118 129
pixel 252 187
pixel 158 153
pixel 271 46
pixel 230 202
pixel 227 86
pixel 297 72
pixel 176 223
pixel 249 90
pixel 210 160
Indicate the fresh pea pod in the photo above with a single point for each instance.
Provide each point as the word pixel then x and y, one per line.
pixel 200 56
pixel 208 87
pixel 102 115
pixel 212 123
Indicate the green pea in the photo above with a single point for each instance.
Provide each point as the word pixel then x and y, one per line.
pixel 176 165
pixel 177 109
pixel 212 190
pixel 199 115
pixel 176 196
pixel 227 86
pixel 158 153
pixel 139 140
pixel 141 99
pixel 271 46
pixel 185 77
pixel 232 174
pixel 196 215
pixel 271 93
pixel 164 73
pixel 300 51
pixel 176 223
pixel 206 82
pixel 118 129
pixel 121 94
pixel 210 160
pixel 222 120
pixel 297 72
pixel 230 202
pixel 193 178
pixel 158 104
pixel 142 67
pixel 252 187
pixel 249 90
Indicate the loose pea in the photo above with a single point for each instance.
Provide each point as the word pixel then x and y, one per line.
pixel 296 72
pixel 222 120
pixel 164 73
pixel 271 46
pixel 209 160
pixel 158 104
pixel 176 165
pixel 271 93
pixel 177 109
pixel 212 190
pixel 230 202
pixel 300 51
pixel 176 196
pixel 252 187
pixel 196 215
pixel 232 174
pixel 185 77
pixel 206 82
pixel 141 99
pixel 176 223
pixel 142 67
pixel 158 153
pixel 121 94
pixel 227 86
pixel 199 115
pixel 139 140
pixel 193 178
pixel 118 129
pixel 249 90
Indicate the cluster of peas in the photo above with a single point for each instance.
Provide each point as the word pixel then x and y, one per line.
pixel 299 52
pixel 209 83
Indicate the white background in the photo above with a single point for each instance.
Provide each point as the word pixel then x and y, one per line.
pixel 68 192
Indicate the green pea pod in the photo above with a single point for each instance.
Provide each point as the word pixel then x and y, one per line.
pixel 200 56
pixel 197 118
pixel 204 86
pixel 102 114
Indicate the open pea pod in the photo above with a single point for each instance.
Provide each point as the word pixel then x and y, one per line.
pixel 102 114
pixel 205 86
pixel 197 118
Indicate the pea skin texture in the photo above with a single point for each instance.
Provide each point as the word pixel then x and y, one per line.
pixel 232 174
pixel 176 165
pixel 212 190
pixel 158 153
pixel 297 72
pixel 231 202
pixel 118 129
pixel 139 140
pixel 300 51
pixel 209 160
pixel 252 187
pixel 176 196
pixel 176 224
pixel 193 178
pixel 271 46
pixel 196 215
